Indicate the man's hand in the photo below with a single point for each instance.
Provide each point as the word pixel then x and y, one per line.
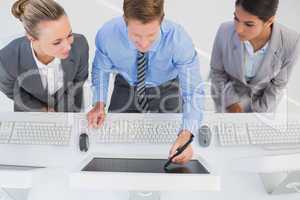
pixel 47 109
pixel 96 116
pixel 235 108
pixel 187 154
pixel 51 110
pixel 44 109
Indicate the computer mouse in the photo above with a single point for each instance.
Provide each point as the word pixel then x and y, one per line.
pixel 84 142
pixel 204 136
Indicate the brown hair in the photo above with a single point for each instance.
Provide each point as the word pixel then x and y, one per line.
pixel 32 12
pixel 144 11
pixel 264 10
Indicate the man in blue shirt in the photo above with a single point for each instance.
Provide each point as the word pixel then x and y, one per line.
pixel 150 56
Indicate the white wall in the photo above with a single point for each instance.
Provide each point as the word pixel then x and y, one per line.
pixel 200 18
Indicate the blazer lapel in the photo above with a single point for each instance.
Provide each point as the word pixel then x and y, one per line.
pixel 68 67
pixel 238 57
pixel 272 57
pixel 29 78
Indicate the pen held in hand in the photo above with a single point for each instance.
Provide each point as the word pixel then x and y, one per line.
pixel 179 150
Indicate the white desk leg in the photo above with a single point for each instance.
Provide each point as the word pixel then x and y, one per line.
pixel 144 195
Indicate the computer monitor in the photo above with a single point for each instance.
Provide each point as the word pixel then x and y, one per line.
pixel 18 167
pixel 280 173
pixel 17 176
pixel 141 169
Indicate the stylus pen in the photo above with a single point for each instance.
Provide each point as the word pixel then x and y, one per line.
pixel 179 150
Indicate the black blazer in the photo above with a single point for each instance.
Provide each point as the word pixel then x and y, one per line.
pixel 20 79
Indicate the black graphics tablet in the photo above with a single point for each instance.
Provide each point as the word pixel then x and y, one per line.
pixel 132 165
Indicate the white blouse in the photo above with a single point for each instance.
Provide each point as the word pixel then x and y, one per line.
pixel 51 74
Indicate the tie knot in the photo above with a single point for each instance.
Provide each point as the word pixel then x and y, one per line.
pixel 141 54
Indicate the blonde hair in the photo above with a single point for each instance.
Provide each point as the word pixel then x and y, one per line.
pixel 32 12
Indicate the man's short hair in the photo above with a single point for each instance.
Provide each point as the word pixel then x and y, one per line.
pixel 144 11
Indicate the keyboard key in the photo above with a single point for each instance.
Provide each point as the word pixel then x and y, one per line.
pixel 137 131
pixel 35 133
pixel 232 134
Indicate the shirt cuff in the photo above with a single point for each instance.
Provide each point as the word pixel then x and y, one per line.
pixel 97 97
pixel 191 125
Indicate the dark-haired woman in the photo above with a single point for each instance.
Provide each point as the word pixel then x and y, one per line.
pixel 45 70
pixel 252 59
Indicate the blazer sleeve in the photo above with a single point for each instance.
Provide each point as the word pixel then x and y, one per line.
pixel 222 90
pixel 26 102
pixel 271 95
pixel 7 82
pixel 23 101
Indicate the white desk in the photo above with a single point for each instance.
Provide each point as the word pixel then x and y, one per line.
pixel 52 183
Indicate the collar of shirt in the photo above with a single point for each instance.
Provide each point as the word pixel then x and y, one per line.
pixel 250 50
pixel 51 74
pixel 156 43
pixel 41 66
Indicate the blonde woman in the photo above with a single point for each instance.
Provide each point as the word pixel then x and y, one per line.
pixel 44 70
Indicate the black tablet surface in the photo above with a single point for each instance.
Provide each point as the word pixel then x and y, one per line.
pixel 143 166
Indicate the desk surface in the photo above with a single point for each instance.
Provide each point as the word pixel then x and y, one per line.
pixel 235 183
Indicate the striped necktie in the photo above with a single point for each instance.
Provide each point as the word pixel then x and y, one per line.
pixel 141 86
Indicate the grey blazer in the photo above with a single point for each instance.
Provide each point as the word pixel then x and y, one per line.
pixel 20 79
pixel 227 73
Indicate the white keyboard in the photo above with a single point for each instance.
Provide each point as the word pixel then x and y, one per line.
pixel 232 134
pixel 34 133
pixel 140 131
